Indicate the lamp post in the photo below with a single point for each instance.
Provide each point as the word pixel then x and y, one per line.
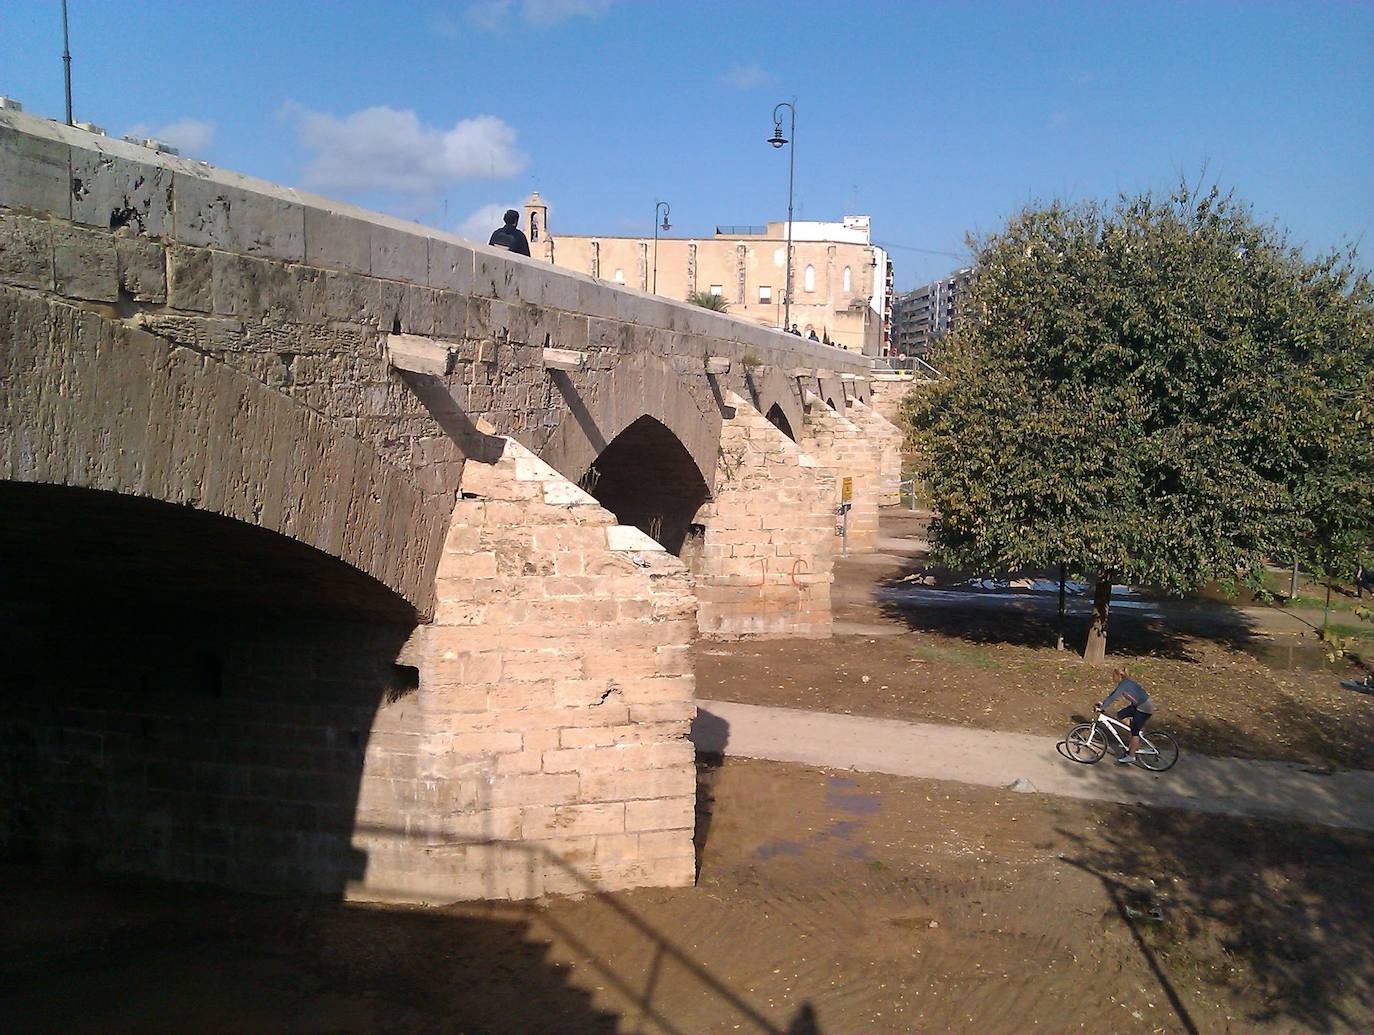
pixel 66 62
pixel 777 140
pixel 659 205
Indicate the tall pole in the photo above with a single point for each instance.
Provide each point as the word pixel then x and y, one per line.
pixel 791 165
pixel 778 140
pixel 666 209
pixel 67 62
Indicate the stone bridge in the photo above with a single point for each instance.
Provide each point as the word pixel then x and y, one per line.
pixel 341 554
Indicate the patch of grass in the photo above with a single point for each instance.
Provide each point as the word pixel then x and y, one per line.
pixel 973 655
pixel 1337 603
pixel 1359 632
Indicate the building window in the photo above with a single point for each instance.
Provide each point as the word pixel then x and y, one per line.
pixel 534 226
pixel 765 294
pixel 779 257
pixel 846 278
pixel 717 290
pixel 619 277
pixel 809 279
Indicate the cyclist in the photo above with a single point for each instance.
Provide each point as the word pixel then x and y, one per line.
pixel 1139 708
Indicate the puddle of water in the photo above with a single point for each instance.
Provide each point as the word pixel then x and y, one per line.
pixel 858 803
pixel 772 848
pixel 841 828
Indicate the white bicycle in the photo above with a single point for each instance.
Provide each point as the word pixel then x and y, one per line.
pixel 1088 742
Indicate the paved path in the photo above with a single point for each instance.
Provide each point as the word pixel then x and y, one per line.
pixel 1233 786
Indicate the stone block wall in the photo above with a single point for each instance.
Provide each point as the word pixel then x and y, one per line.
pixel 842 447
pixel 886 394
pixel 764 564
pixel 545 749
pixel 888 439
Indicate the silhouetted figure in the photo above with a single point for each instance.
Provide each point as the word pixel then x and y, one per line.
pixel 795 331
pixel 805 1022
pixel 811 335
pixel 511 236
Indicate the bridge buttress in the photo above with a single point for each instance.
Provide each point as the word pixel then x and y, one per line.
pixel 764 557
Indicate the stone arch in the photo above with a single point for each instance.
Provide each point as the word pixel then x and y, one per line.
pixel 219 664
pixel 641 385
pixel 646 477
pixel 99 404
pixel 831 389
pixel 779 420
pixel 770 389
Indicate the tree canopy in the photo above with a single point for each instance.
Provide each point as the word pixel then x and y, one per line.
pixel 1162 392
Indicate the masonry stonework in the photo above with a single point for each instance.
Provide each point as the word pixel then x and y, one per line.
pixel 350 627
pixel 766 553
pixel 843 448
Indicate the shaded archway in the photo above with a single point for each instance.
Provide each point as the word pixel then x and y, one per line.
pixel 187 696
pixel 102 405
pixel 646 478
pixel 779 420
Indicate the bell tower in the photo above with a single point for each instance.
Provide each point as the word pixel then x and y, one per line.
pixel 537 227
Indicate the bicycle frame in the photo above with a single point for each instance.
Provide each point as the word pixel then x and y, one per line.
pixel 1113 725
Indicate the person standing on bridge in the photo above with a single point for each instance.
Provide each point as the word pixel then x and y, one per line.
pixel 510 236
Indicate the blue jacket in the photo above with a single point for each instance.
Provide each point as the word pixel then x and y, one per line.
pixel 1134 694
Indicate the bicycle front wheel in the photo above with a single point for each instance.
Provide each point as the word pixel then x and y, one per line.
pixel 1157 751
pixel 1085 743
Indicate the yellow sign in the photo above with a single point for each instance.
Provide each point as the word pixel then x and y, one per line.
pixel 847 490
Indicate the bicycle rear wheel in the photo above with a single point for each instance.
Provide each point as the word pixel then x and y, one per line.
pixel 1157 751
pixel 1085 743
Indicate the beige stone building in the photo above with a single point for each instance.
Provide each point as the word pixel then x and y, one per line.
pixel 841 281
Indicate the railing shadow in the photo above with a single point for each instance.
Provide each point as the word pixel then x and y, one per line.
pixel 510 986
pixel 1288 903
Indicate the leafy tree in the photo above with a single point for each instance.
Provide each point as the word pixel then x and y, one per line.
pixel 709 300
pixel 1163 392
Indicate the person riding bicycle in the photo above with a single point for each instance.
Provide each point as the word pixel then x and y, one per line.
pixel 1139 708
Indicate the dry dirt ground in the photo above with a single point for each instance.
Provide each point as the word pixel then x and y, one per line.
pixel 828 902
pixel 1223 686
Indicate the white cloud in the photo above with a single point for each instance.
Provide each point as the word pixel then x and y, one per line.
pixel 383 148
pixel 746 77
pixel 497 15
pixel 479 225
pixel 187 135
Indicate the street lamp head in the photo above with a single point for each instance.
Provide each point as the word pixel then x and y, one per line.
pixel 777 139
pixel 666 224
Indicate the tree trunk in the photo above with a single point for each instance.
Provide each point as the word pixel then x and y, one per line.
pixel 1095 649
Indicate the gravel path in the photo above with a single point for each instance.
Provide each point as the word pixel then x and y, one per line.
pixel 1231 786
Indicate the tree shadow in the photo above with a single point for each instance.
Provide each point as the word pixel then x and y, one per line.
pixel 1288 905
pixel 931 599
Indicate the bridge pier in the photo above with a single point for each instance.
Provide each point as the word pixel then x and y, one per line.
pixel 544 749
pixel 763 563
pixel 843 448
pixel 888 440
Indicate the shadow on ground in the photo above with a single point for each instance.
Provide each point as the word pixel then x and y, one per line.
pixel 950 607
pixel 88 954
pixel 1287 905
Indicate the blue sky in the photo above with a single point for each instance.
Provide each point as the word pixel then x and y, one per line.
pixel 936 119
